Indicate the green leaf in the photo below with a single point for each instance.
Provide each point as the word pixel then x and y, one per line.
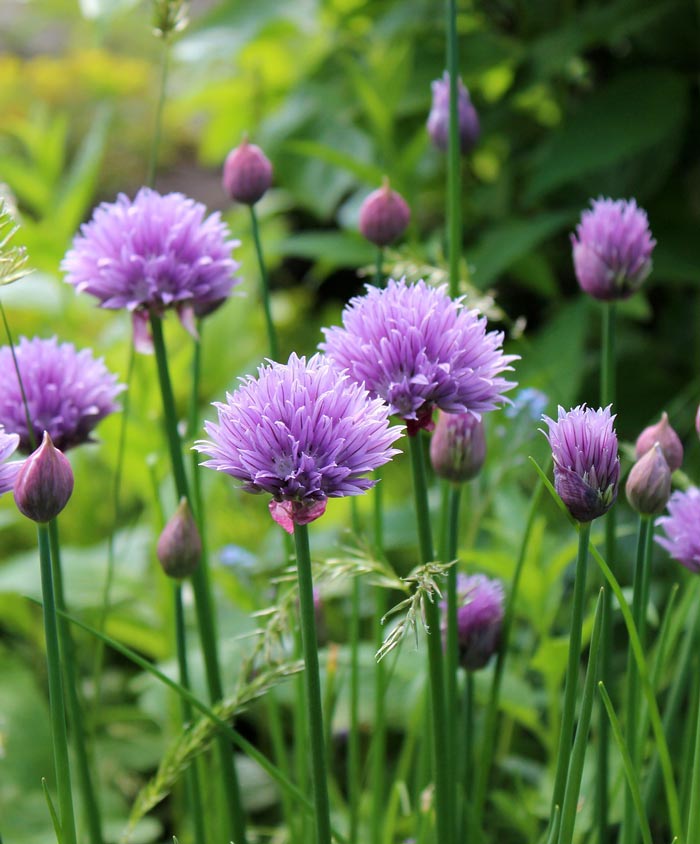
pixel 631 115
pixel 365 171
pixel 337 249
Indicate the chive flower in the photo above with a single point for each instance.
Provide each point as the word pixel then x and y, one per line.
pixel 44 483
pixel 668 440
pixel 153 253
pixel 247 173
pixel 8 471
pixel 303 433
pixel 68 392
pixel 384 216
pixel 479 619
pixel 416 348
pixel 439 117
pixel 458 446
pixel 586 462
pixel 612 249
pixel 682 528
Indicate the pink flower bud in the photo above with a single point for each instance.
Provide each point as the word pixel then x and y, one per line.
pixel 663 434
pixel 44 483
pixel 179 547
pixel 458 446
pixel 384 216
pixel 247 173
pixel 648 486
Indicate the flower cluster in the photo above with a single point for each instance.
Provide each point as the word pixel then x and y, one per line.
pixel 682 528
pixel 612 249
pixel 416 348
pixel 67 391
pixel 302 432
pixel 586 462
pixel 152 253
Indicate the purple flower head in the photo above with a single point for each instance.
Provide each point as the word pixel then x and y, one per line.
pixel 416 348
pixel 8 471
pixel 479 619
pixel 153 253
pixel 303 433
pixel 682 528
pixel 68 392
pixel 612 249
pixel 586 463
pixel 439 117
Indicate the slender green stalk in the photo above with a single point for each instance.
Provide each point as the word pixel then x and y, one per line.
pixel 572 671
pixel 454 222
pixel 378 771
pixel 158 127
pixel 578 754
pixel 354 785
pixel 489 731
pixel 301 739
pixel 76 720
pixel 443 789
pixel 25 403
pixel 607 396
pixel 379 270
pixel 452 648
pixel 313 685
pixel 629 827
pixel 201 589
pixel 194 792
pixel 265 281
pixel 630 770
pixel 466 761
pixel 57 711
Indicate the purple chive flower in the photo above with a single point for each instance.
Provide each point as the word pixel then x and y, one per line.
pixel 416 348
pixel 439 117
pixel 612 249
pixel 68 392
pixel 682 528
pixel 152 253
pixel 458 446
pixel 586 463
pixel 669 441
pixel 303 433
pixel 247 173
pixel 44 483
pixel 8 471
pixel 479 619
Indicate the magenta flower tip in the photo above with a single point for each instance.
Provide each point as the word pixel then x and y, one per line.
pixel 303 433
pixel 416 348
pixel 682 528
pixel 439 117
pixel 68 392
pixel 586 462
pixel 153 253
pixel 612 249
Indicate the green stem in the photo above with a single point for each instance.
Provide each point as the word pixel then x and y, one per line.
pixel 607 396
pixel 200 587
pixel 454 222
pixel 379 270
pixel 25 403
pixel 265 281
pixel 452 647
pixel 572 671
pixel 443 789
pixel 58 715
pixel 378 774
pixel 694 811
pixel 466 761
pixel 157 130
pixel 489 731
pixel 192 783
pixel 629 826
pixel 70 681
pixel 354 787
pixel 313 684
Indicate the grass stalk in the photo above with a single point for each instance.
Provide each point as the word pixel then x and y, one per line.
pixel 265 286
pixel 454 211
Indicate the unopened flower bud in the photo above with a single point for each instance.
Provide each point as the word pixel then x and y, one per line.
pixel 179 547
pixel 648 486
pixel 44 483
pixel 439 117
pixel 247 173
pixel 384 216
pixel 663 434
pixel 479 619
pixel 458 446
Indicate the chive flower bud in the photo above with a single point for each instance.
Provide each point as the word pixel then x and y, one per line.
pixel 682 528
pixel 648 485
pixel 458 446
pixel 384 216
pixel 179 546
pixel 479 619
pixel 44 484
pixel 247 173
pixel 669 441
pixel 586 463
pixel 439 117
pixel 612 249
